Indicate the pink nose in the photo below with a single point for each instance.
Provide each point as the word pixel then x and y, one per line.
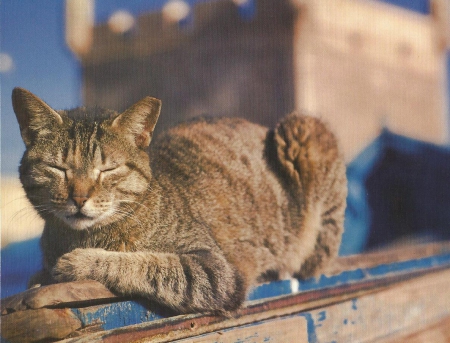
pixel 79 200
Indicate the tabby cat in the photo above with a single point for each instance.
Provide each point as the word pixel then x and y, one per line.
pixel 214 206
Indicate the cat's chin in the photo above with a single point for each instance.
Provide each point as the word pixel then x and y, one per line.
pixel 80 222
pixel 87 218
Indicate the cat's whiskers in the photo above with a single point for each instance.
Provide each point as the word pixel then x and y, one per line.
pixel 44 210
pixel 21 198
pixel 27 212
pixel 34 196
pixel 134 202
pixel 128 214
pixel 125 214
pixel 20 214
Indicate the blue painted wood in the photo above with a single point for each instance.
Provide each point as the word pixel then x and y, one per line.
pixel 116 315
pixel 111 316
pixel 285 287
pixel 368 318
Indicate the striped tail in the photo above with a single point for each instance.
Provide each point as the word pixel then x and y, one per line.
pixel 309 158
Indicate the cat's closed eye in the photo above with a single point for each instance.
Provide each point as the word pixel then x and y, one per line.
pixel 115 171
pixel 59 170
pixel 109 169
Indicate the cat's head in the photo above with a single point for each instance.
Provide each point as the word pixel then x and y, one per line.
pixel 86 167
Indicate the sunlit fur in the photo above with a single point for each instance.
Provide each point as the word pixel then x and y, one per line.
pixel 214 207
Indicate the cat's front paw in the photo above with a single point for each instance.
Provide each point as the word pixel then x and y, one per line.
pixel 79 264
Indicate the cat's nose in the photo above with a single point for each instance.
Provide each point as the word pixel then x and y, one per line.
pixel 79 200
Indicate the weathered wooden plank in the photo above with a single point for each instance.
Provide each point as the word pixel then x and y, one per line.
pixel 438 332
pixel 110 316
pixel 120 314
pixel 405 306
pixel 285 298
pixel 387 256
pixel 289 329
pixel 36 325
pixel 52 295
pixel 170 329
pixel 374 265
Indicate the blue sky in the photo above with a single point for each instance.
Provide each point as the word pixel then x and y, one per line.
pixel 32 33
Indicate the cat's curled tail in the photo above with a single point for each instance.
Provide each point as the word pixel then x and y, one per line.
pixel 314 171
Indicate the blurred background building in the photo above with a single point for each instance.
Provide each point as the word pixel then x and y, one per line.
pixel 217 60
pixel 360 65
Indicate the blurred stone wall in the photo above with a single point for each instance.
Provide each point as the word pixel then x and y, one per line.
pixel 219 63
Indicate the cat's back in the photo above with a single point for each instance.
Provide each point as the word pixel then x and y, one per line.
pixel 216 171
pixel 209 145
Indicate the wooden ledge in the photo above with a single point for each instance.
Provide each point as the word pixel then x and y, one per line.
pixel 88 312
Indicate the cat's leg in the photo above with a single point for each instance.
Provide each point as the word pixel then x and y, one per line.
pixel 197 281
pixel 309 158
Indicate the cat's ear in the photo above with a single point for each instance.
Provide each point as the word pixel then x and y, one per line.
pixel 35 117
pixel 138 122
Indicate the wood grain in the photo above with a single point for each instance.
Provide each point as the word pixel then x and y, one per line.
pixel 405 306
pixel 438 332
pixel 36 325
pixel 171 329
pixel 291 329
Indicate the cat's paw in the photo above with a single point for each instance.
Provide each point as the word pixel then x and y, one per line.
pixel 79 264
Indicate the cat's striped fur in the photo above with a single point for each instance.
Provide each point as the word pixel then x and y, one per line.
pixel 217 205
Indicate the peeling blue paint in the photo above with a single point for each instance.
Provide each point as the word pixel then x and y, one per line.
pixel 322 316
pixel 311 327
pixel 283 287
pixel 116 315
pixel 125 313
pixel 268 290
